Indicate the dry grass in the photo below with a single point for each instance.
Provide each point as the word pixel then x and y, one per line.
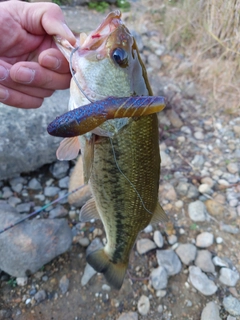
pixel 208 33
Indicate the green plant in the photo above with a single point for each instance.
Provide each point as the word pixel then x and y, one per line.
pixel 123 4
pixel 12 282
pixel 98 6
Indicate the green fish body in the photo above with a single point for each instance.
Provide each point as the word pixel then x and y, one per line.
pixel 121 158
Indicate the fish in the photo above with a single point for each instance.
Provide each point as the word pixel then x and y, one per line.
pixel 120 155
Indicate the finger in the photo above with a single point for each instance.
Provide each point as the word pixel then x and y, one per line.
pixel 33 74
pixel 7 82
pixel 53 59
pixel 48 18
pixel 17 99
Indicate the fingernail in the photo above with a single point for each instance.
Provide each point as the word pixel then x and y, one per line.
pixel 4 94
pixel 3 73
pixel 24 75
pixel 70 34
pixel 51 62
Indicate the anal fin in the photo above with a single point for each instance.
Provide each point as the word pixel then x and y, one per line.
pixel 89 211
pixel 113 272
pixel 159 215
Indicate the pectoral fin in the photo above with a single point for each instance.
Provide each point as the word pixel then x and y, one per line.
pixel 89 211
pixel 68 149
pixel 159 215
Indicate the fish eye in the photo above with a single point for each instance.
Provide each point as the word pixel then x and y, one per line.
pixel 120 56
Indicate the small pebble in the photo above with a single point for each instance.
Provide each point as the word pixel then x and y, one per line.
pixel 84 242
pixel 158 238
pixel 187 253
pixel 204 240
pixel 210 312
pixel 228 277
pixel 204 261
pixel 22 281
pixel 128 316
pixel 143 305
pixel 232 305
pixel 64 284
pixel 145 245
pixel 40 296
pixel 172 239
pixel 197 211
pixel 159 278
pixel 201 282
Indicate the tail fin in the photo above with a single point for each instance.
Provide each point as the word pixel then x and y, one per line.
pixel 113 272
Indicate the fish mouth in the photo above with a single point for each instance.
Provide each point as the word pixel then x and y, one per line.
pixel 99 36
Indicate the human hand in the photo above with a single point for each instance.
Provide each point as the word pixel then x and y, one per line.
pixel 31 67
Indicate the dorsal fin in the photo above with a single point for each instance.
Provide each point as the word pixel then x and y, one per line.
pixel 159 215
pixel 89 211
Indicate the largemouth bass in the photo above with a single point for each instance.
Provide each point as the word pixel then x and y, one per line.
pixel 121 158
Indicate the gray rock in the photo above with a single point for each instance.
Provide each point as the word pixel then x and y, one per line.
pixel 228 228
pixel 233 168
pixel 6 191
pixel 231 318
pixel 170 261
pixel 198 161
pixel 64 284
pixel 88 273
pixel 182 188
pixel 145 245
pixel 159 278
pixel 232 305
pixel 158 238
pixel 143 305
pixel 22 281
pixel 94 245
pixel 28 146
pixel 228 277
pixel 204 261
pixel 192 192
pixel 172 239
pixel 64 182
pixel 24 207
pixel 31 244
pixel 128 316
pixel 34 184
pixel 190 90
pixel 174 118
pixel 201 282
pixel 51 191
pixel 220 262
pixel 154 61
pixel 199 135
pixel 211 311
pixel 197 211
pixel 204 240
pixel 187 253
pixel 166 160
pixel 58 212
pixel 204 188
pixel 40 296
pixel 59 169
pixel 13 201
pixel 84 242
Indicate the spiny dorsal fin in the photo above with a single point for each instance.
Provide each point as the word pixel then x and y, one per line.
pixel 89 211
pixel 159 215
